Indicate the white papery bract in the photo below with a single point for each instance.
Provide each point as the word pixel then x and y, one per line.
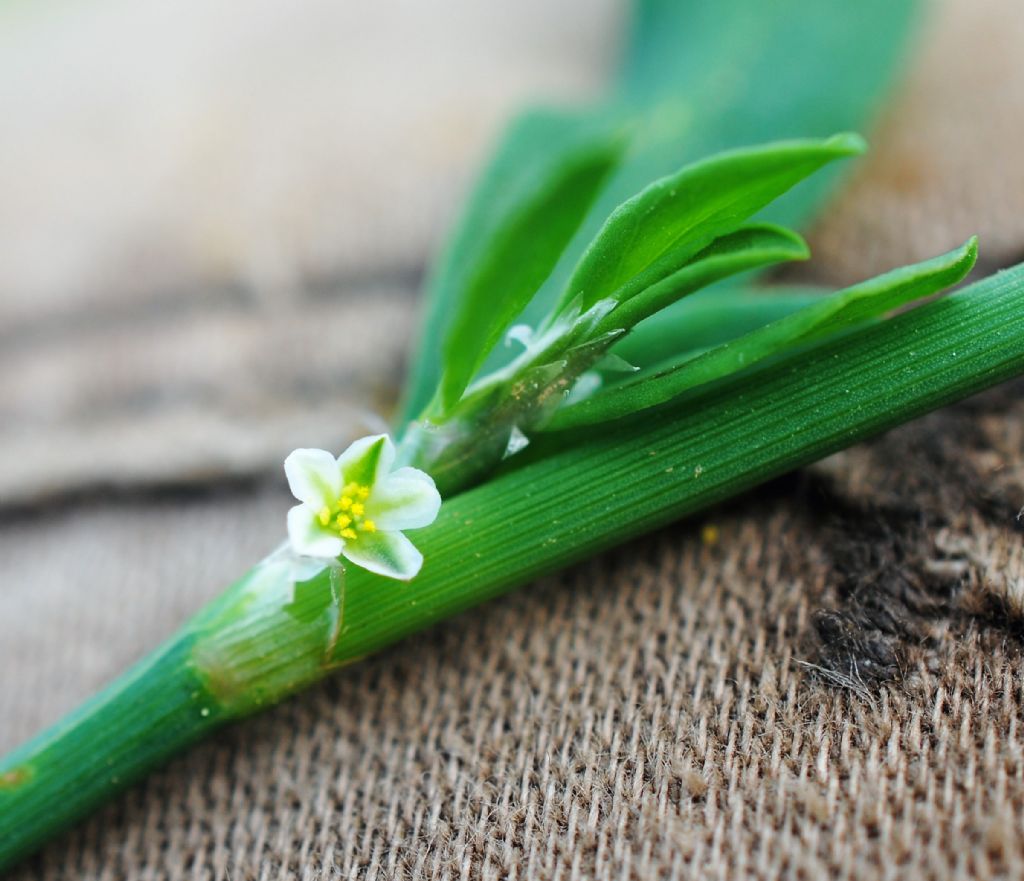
pixel 355 506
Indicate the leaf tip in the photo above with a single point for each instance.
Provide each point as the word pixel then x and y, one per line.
pixel 960 261
pixel 797 249
pixel 964 259
pixel 847 144
pixel 969 249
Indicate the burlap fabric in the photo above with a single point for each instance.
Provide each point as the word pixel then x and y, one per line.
pixel 823 678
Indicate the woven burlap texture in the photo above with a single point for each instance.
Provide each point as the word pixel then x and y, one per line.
pixel 823 678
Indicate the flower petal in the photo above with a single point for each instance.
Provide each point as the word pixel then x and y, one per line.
pixel 313 477
pixel 367 460
pixel 386 553
pixel 308 537
pixel 405 499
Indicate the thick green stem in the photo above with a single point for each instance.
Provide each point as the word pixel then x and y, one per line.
pixel 142 719
pixel 280 628
pixel 271 633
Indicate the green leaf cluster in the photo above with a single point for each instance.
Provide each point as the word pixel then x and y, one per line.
pixel 828 316
pixel 696 78
pixel 566 238
pixel 675 237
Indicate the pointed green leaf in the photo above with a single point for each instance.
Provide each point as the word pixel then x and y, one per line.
pixel 747 248
pixel 710 318
pixel 650 236
pixel 491 278
pixel 534 146
pixel 856 305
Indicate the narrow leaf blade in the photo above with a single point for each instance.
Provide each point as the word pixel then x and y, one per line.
pixel 856 305
pixel 651 235
pixel 522 251
pixel 750 247
pixel 533 146
pixel 710 318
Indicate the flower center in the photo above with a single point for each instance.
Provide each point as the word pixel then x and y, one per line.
pixel 346 516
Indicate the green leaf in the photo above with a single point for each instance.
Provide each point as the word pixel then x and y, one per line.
pixel 652 235
pixel 709 318
pixel 521 253
pixel 747 248
pixel 845 309
pixel 534 151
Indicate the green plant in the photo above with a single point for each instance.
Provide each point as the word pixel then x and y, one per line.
pixel 678 235
pixel 697 400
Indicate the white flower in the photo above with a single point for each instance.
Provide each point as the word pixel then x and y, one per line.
pixel 355 506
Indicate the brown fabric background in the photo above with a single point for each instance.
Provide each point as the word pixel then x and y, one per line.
pixel 822 678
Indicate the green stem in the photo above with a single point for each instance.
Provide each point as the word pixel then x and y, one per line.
pixel 462 447
pixel 279 628
pixel 141 720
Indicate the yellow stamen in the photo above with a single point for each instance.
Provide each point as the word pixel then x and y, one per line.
pixel 345 516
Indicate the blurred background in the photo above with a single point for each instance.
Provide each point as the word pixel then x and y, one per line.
pixel 214 218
